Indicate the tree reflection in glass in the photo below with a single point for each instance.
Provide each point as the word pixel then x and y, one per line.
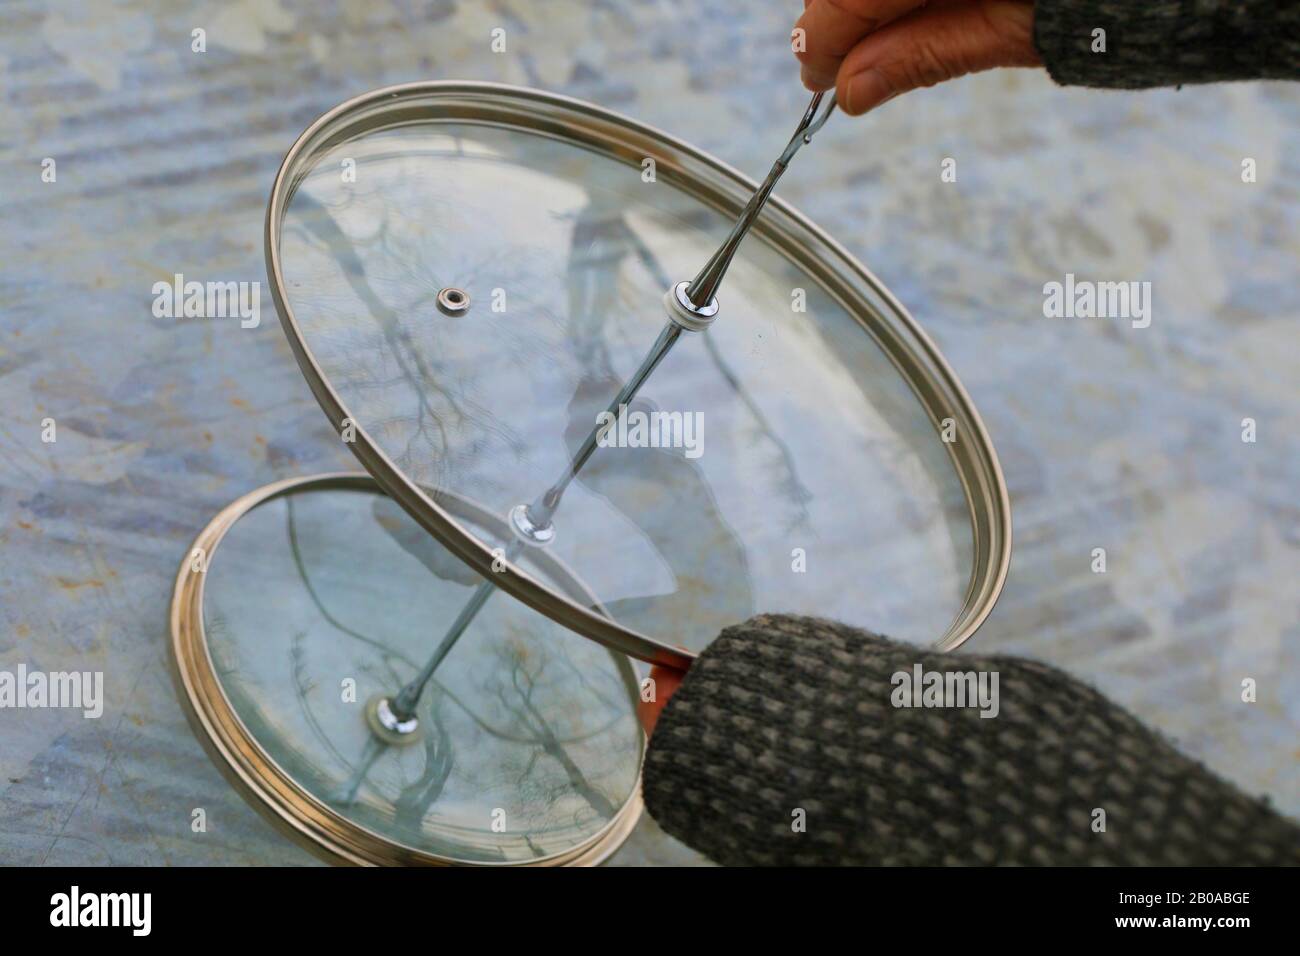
pixel 529 744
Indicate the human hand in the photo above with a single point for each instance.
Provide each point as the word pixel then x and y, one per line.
pixel 666 681
pixel 872 50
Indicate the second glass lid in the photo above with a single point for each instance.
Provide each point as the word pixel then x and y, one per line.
pixel 306 603
pixel 469 275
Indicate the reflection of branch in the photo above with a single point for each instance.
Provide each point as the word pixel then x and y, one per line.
pixel 589 226
pixel 484 725
pixel 524 684
pixel 301 690
pixel 316 219
pixel 590 290
pixel 395 332
pixel 795 488
pixel 301 567
pixel 597 692
pixel 440 754
pixel 414 801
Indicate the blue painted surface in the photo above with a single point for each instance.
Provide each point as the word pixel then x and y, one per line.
pixel 1113 437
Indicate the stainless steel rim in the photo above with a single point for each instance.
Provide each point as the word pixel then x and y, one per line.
pixel 716 185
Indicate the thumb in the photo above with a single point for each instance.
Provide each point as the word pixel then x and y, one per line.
pixel 934 44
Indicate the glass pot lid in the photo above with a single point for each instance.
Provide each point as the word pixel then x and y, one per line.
pixel 470 273
pixel 305 602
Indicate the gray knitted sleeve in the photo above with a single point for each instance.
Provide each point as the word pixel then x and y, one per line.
pixel 787 744
pixel 1167 42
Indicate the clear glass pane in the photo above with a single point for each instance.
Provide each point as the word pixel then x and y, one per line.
pixel 808 450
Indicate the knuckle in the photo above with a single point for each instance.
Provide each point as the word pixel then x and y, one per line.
pixel 925 67
pixel 851 8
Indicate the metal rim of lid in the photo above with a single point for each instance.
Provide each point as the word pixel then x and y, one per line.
pixel 260 779
pixel 717 186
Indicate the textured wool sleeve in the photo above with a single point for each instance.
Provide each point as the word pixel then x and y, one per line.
pixel 1167 42
pixel 784 745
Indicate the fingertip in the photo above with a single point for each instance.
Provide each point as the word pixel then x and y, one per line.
pixel 844 97
pixel 813 82
pixel 818 77
pixel 863 91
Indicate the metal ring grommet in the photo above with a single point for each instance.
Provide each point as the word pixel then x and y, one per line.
pixel 683 312
pixel 387 726
pixel 452 301
pixel 528 531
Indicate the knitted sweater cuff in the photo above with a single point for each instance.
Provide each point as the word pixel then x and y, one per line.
pixel 1133 44
pixel 789 742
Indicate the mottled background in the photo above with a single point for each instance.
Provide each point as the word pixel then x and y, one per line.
pixel 1127 439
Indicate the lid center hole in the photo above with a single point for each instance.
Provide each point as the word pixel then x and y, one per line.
pixel 453 301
